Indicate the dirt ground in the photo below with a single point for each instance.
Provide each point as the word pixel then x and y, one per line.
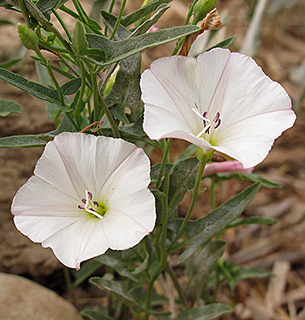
pixel 280 248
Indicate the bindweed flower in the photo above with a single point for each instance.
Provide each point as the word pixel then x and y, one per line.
pixel 226 166
pixel 221 101
pixel 87 194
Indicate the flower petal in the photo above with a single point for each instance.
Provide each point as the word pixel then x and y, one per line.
pixel 250 141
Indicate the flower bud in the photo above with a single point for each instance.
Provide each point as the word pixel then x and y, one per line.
pixel 201 9
pixel 28 37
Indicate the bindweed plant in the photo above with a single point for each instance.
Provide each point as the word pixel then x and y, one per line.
pixel 94 195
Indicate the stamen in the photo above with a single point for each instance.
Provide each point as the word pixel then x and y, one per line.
pixel 207 130
pixel 202 117
pixel 216 117
pixel 218 124
pixel 81 207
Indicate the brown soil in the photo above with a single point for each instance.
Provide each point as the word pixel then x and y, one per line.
pixel 281 247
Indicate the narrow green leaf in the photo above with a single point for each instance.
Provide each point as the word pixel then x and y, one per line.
pixel 117 264
pixel 151 21
pixel 7 107
pixel 71 86
pixel 117 289
pixel 48 5
pixel 225 43
pixel 155 170
pixel 113 51
pixel 110 20
pixel 182 179
pixel 95 315
pixel 142 12
pixel 45 80
pixel 142 266
pixel 201 231
pixel 79 41
pixel 252 220
pixel 22 141
pixel 33 88
pixel 201 266
pixel 208 312
pixel 253 177
pixel 85 272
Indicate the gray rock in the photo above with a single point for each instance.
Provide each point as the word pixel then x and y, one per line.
pixel 22 299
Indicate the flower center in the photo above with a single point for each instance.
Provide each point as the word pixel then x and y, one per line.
pixel 94 208
pixel 208 126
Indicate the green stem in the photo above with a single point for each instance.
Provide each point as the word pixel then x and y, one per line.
pixel 213 200
pixel 176 283
pixel 98 101
pixel 164 161
pixel 110 10
pixel 202 164
pixel 62 24
pixel 46 63
pixel 118 20
pixel 82 91
pixel 162 245
pixel 69 11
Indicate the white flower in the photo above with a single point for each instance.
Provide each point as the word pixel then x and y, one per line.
pixel 221 101
pixel 87 194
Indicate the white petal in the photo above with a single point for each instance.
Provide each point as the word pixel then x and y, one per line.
pixel 38 197
pixel 250 141
pixel 169 91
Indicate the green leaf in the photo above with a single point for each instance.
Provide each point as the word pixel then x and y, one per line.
pixel 182 179
pixel 201 266
pixel 110 20
pixel 201 231
pixel 253 177
pixel 36 140
pixel 48 5
pixel 225 43
pixel 208 312
pixel 252 220
pixel 71 86
pixel 33 88
pixel 95 315
pixel 113 51
pixel 117 264
pixel 142 266
pixel 22 141
pixel 142 12
pixel 151 21
pixel 117 289
pixel 155 170
pixel 44 79
pixel 86 270
pixel 79 41
pixel 7 107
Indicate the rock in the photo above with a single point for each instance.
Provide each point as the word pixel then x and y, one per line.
pixel 23 299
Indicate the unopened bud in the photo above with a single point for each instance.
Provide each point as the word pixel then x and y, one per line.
pixel 28 37
pixel 201 9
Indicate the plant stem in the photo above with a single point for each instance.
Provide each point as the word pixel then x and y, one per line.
pixel 82 91
pixel 213 201
pixel 164 160
pixel 98 101
pixel 176 283
pixel 110 10
pixel 202 164
pixel 118 20
pixel 162 246
pixel 62 24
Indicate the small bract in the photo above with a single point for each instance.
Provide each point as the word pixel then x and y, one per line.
pixel 87 194
pixel 221 101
